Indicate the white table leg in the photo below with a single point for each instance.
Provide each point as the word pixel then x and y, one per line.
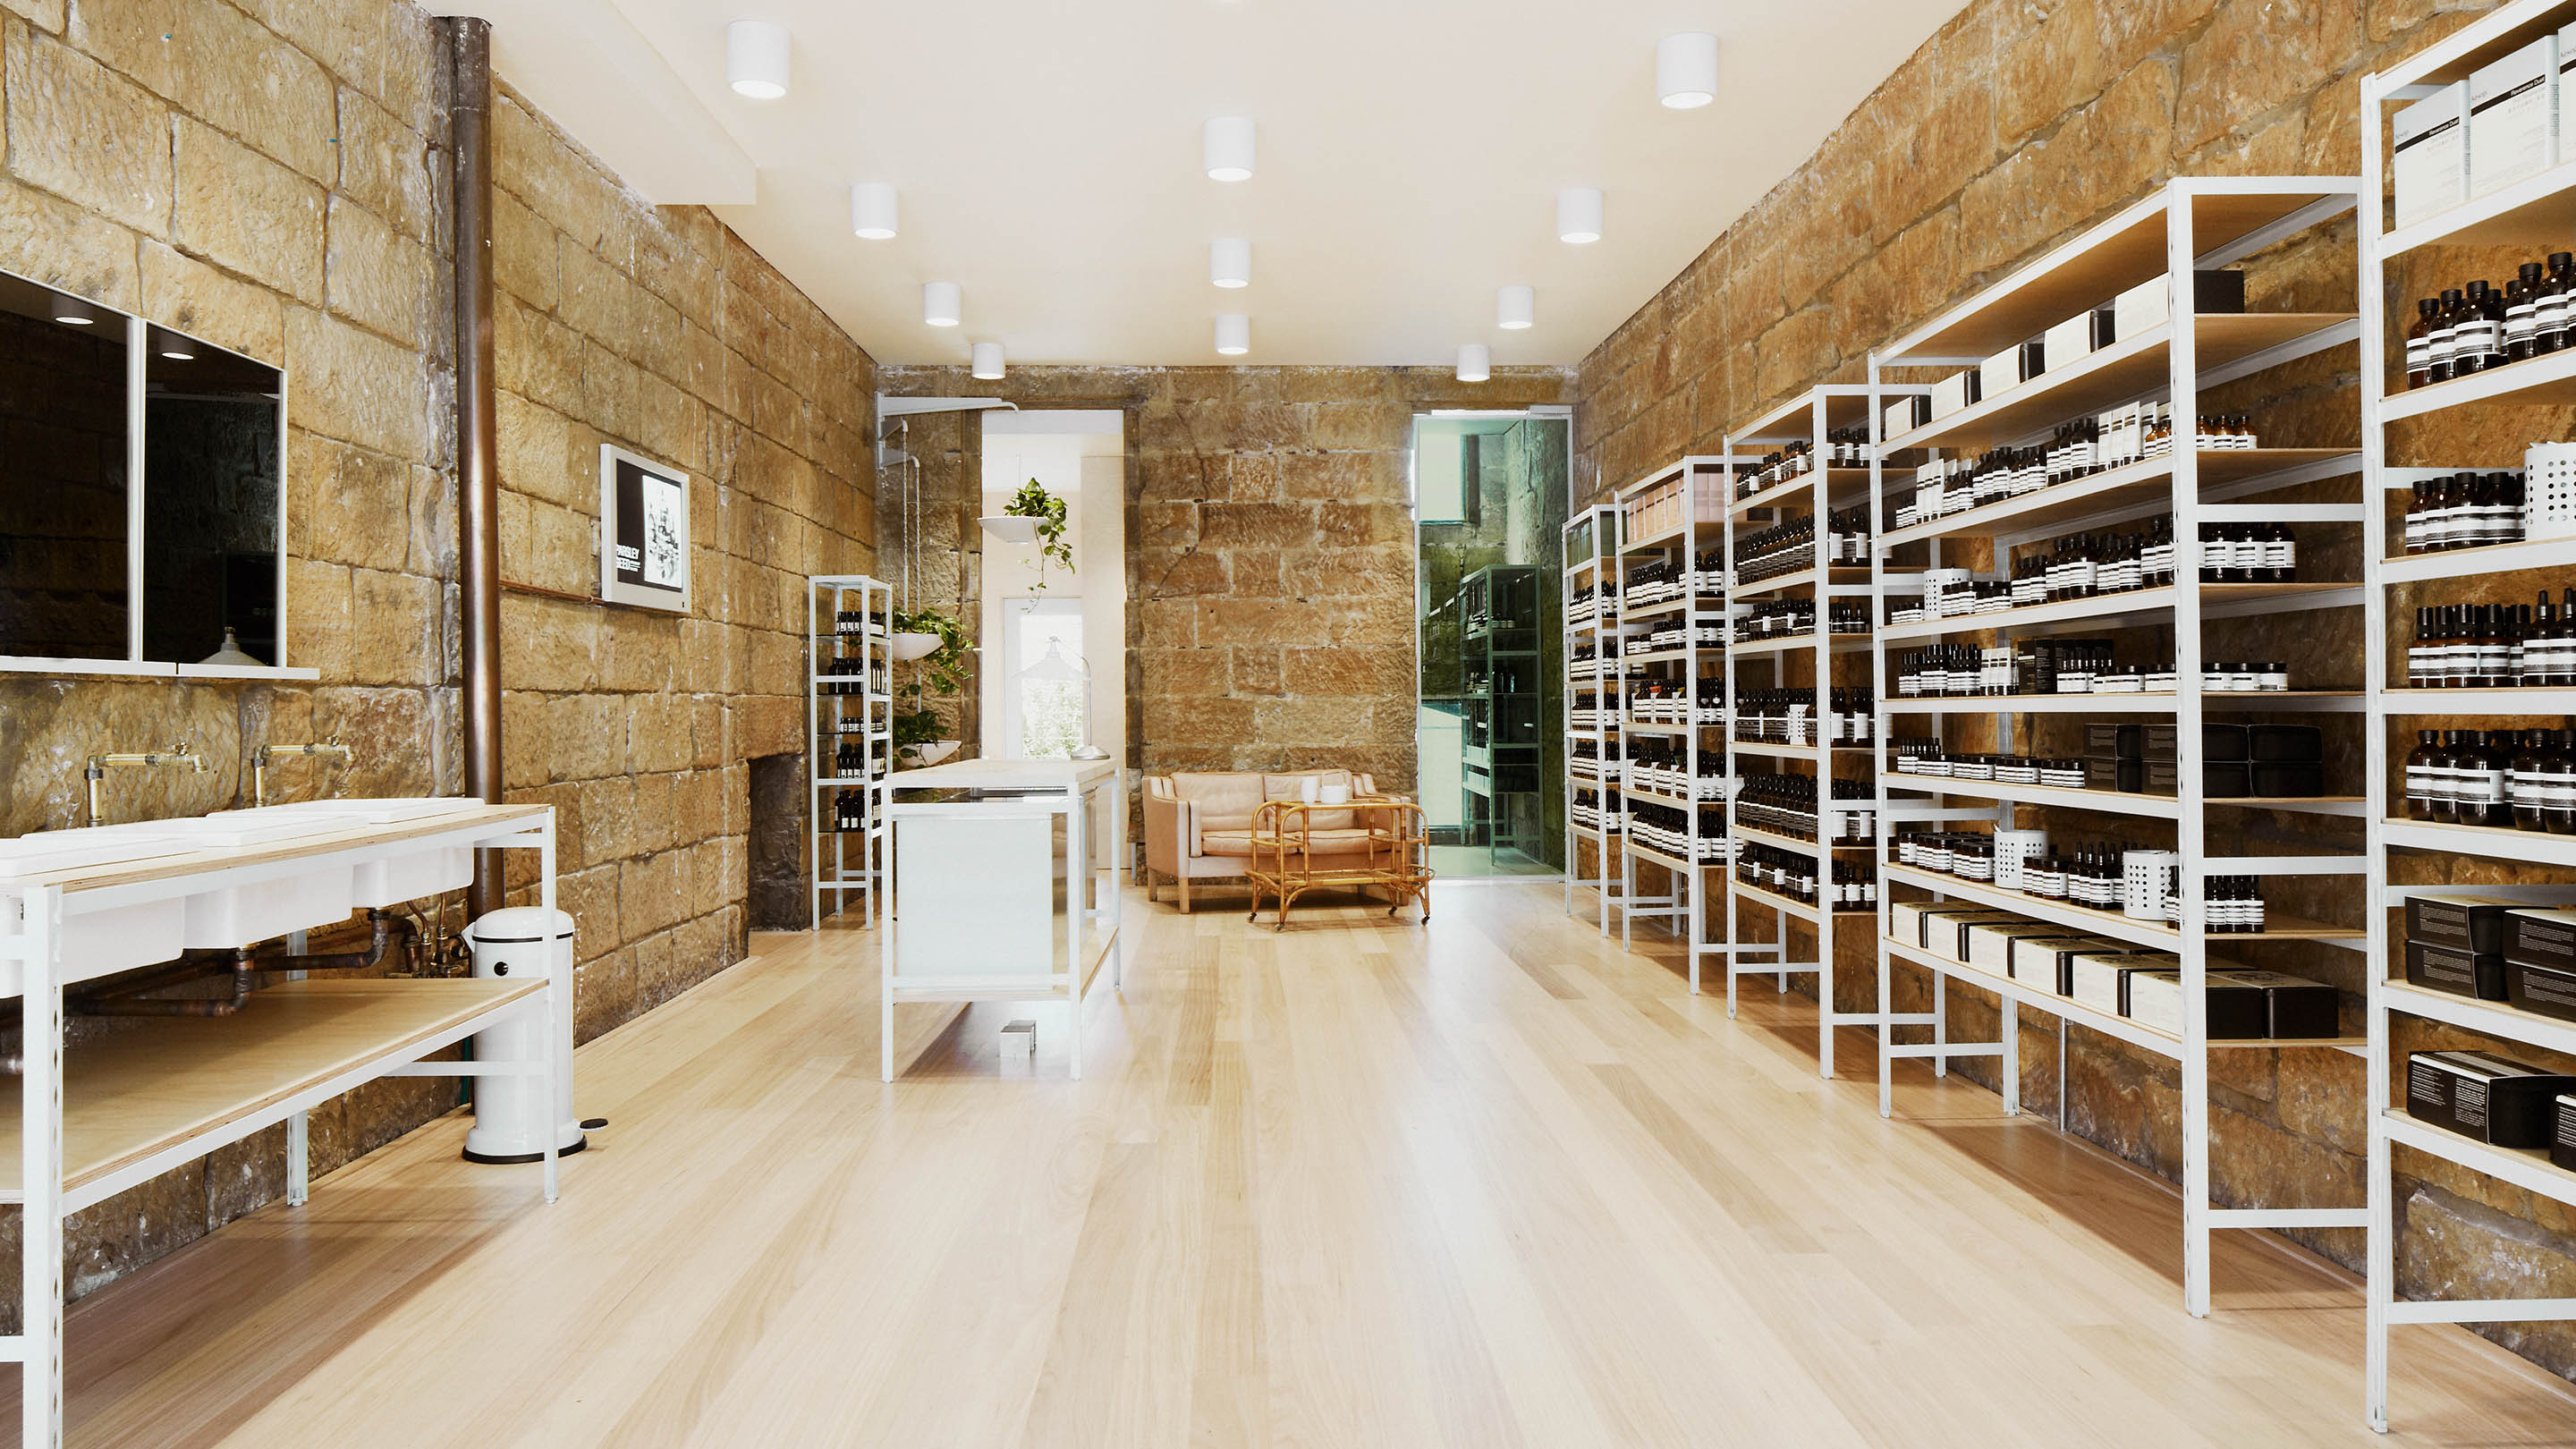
pixel 298 1161
pixel 885 960
pixel 1077 890
pixel 40 1270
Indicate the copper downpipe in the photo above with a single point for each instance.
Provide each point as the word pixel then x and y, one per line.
pixel 478 457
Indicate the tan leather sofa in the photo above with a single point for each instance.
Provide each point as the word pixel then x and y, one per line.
pixel 1199 826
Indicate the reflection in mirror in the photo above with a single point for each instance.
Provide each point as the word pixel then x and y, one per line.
pixel 210 494
pixel 63 589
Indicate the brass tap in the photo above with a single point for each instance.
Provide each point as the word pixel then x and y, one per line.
pixel 259 758
pixel 181 756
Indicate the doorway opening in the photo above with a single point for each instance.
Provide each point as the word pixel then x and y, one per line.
pixel 1489 507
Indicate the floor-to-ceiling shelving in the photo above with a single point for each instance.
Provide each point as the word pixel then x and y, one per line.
pixel 2180 361
pixel 2537 214
pixel 1810 470
pixel 849 737
pixel 1499 737
pixel 1594 813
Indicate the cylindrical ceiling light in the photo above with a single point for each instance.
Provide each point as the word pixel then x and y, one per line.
pixel 872 212
pixel 1230 262
pixel 756 59
pixel 1578 215
pixel 1686 70
pixel 988 362
pixel 1233 334
pixel 173 346
pixel 943 304
pixel 1475 362
pixel 1227 148
pixel 1515 308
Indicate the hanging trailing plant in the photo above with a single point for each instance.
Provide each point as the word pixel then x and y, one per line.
pixel 941 671
pixel 1033 501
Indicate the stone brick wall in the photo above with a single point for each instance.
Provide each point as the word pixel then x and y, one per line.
pixel 1270 578
pixel 2020 123
pixel 272 176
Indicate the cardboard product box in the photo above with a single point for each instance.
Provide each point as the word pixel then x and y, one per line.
pixel 1906 414
pixel 2226 779
pixel 2135 777
pixel 2513 117
pixel 2277 781
pixel 2496 1100
pixel 2149 304
pixel 2285 744
pixel 2562 1143
pixel 2543 990
pixel 2237 1010
pixel 2431 162
pixel 2129 741
pixel 2564 144
pixel 2294 1007
pixel 2459 921
pixel 1952 393
pixel 2045 961
pixel 2000 374
pixel 1946 934
pixel 2034 358
pixel 1990 943
pixel 2228 742
pixel 2069 342
pixel 2541 936
pixel 2100 979
pixel 2478 974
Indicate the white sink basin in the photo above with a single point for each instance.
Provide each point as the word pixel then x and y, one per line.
pixel 94 943
pixel 250 827
pixel 47 851
pixel 390 811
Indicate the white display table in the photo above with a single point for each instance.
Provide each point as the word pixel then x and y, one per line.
pixel 986 908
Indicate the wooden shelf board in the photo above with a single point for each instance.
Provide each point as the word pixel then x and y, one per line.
pixel 166 1081
pixel 2109 1022
pixel 2277 927
pixel 2481 840
pixel 171 867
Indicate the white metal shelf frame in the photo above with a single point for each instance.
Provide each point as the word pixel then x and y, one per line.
pixel 2186 225
pixel 828 720
pixel 1597 532
pixel 2526 213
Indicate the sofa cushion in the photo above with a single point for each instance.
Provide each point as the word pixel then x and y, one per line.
pixel 1321 843
pixel 1293 787
pixel 1224 800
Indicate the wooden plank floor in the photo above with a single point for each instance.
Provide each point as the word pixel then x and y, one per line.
pixel 1493 1183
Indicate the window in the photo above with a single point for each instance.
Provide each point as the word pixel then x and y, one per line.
pixel 141 519
pixel 1047 694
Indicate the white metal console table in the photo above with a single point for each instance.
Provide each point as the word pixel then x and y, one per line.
pixel 170 1090
pixel 976 914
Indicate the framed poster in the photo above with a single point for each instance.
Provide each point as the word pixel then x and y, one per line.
pixel 643 532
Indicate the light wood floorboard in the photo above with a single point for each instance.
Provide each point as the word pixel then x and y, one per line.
pixel 1491 1183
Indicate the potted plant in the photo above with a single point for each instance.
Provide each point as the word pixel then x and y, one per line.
pixel 919 732
pixel 1034 516
pixel 919 633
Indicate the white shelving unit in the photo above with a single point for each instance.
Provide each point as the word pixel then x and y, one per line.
pixel 2539 213
pixel 1592 562
pixel 2189 224
pixel 854 712
pixel 1808 419
pixel 1691 525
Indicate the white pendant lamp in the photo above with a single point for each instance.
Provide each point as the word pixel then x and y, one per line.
pixel 1230 262
pixel 1686 70
pixel 1227 148
pixel 1475 362
pixel 756 59
pixel 872 210
pixel 943 304
pixel 988 362
pixel 1578 215
pixel 1515 308
pixel 1233 334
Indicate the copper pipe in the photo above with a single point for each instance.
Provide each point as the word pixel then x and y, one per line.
pixel 478 456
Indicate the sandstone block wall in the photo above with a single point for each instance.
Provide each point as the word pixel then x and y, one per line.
pixel 272 176
pixel 2020 123
pixel 1270 572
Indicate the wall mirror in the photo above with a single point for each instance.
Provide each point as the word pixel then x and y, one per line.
pixel 141 517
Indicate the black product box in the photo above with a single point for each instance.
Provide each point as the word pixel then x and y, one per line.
pixel 2106 327
pixel 2499 1102
pixel 2295 744
pixel 2154 777
pixel 2287 779
pixel 2034 358
pixel 2244 1005
pixel 2461 973
pixel 2461 922
pixel 2226 780
pixel 2223 742
pixel 2295 1008
pixel 2541 936
pixel 2217 291
pixel 2541 990
pixel 2129 741
pixel 2562 1147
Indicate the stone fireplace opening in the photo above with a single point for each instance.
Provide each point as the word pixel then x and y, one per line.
pixel 780 885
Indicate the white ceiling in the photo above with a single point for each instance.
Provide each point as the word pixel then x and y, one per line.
pixel 1047 153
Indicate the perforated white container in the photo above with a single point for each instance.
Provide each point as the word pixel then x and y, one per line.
pixel 2549 490
pixel 2145 878
pixel 2013 849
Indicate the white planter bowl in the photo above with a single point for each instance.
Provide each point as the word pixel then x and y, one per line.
pixel 934 751
pixel 907 647
pixel 1010 529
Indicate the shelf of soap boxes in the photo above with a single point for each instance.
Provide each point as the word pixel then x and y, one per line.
pixel 2131 433
pixel 1664 769
pixel 1785 804
pixel 1788 717
pixel 1788 547
pixel 2488 948
pixel 1788 873
pixel 2140 882
pixel 1844 448
pixel 1669 702
pixel 1666 829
